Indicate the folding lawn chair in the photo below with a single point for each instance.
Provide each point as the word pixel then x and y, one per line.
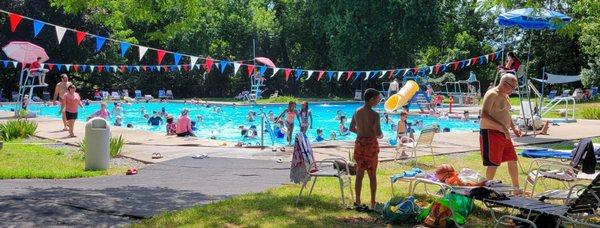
pixel 579 206
pixel 125 93
pixel 552 94
pixel 170 94
pixel 115 96
pixel 578 94
pixel 325 168
pixel 424 142
pixel 594 93
pixel 162 94
pixel 138 95
pixel 566 93
pixel 105 95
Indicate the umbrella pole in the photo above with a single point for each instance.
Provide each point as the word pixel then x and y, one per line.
pixel 502 57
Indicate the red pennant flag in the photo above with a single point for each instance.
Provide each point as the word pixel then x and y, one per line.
pixel 160 54
pixel 122 69
pixel 474 61
pixel 50 66
pixel 349 74
pixel 100 68
pixel 436 69
pixel 287 72
pixel 76 67
pixel 208 64
pixel 455 65
pixel 144 68
pixel 185 67
pixel 165 68
pixel 250 70
pixel 320 75
pixel 79 36
pixel 390 73
pixel 14 19
pixel 492 57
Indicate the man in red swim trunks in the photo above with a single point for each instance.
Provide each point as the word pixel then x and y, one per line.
pixel 365 123
pixel 494 137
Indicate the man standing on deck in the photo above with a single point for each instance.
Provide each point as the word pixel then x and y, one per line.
pixel 394 87
pixel 494 137
pixel 59 92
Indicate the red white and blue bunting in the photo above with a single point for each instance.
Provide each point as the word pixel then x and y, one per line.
pixel 221 65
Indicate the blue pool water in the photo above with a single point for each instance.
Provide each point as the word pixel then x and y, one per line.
pixel 224 125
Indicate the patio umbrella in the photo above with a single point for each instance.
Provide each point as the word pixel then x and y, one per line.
pixel 24 52
pixel 530 18
pixel 265 61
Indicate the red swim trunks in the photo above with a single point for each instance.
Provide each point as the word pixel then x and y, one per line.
pixel 366 153
pixel 495 148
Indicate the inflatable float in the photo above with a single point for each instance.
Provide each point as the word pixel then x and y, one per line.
pixel 403 96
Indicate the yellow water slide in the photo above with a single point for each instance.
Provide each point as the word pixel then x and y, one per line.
pixel 400 99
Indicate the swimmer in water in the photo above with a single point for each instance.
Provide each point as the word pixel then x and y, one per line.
pixel 250 116
pixel 333 136
pixel 320 135
pixel 338 115
pixel 342 128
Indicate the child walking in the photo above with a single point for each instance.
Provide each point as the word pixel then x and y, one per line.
pixel 289 115
pixel 366 124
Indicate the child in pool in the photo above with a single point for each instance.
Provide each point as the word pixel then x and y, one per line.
pixel 117 110
pixel 199 118
pixel 250 116
pixel 338 115
pixel 271 117
pixel 102 113
pixel 320 135
pixel 386 118
pixel 252 132
pixel 171 127
pixel 118 121
pixel 290 115
pixel 333 136
pixel 279 129
pixel 342 128
pixel 243 131
pixel 129 125
pixel 194 128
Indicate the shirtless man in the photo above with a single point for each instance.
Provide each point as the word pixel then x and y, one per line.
pixel 59 92
pixel 366 124
pixel 394 87
pixel 494 137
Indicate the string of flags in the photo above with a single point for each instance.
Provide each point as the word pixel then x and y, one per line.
pixel 221 65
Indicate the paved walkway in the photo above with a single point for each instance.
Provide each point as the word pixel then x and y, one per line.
pixel 119 200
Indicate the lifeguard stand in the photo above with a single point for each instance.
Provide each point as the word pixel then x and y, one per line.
pixel 256 83
pixel 27 83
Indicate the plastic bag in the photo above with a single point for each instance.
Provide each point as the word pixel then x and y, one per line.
pixel 470 177
pixel 397 210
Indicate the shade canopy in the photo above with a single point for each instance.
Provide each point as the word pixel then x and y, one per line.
pixel 529 18
pixel 558 79
pixel 24 52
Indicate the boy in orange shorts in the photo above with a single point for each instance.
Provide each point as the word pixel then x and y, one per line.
pixel 365 124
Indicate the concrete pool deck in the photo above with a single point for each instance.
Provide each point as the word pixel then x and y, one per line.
pixel 140 145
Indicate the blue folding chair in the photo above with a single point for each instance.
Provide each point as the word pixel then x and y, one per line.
pixel 566 93
pixel 162 94
pixel 552 94
pixel 138 95
pixel 594 93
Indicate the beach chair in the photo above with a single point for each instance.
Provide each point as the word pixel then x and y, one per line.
pixel 552 94
pixel 46 96
pixel 578 94
pixel 583 203
pixel 125 93
pixel 162 94
pixel 115 96
pixel 169 94
pixel 275 94
pixel 104 95
pixel 566 93
pixel 593 93
pixel 422 143
pixel 138 95
pixel 15 96
pixel 321 169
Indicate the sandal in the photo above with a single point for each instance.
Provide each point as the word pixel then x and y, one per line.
pixel 360 208
pixel 156 156
pixel 131 171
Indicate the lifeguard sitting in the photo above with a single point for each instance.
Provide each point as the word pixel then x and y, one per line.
pixel 36 70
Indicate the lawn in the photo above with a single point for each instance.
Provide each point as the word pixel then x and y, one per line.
pixel 20 160
pixel 276 207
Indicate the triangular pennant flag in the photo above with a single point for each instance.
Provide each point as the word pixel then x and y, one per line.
pixel 5 62
pixel 349 74
pixel 186 67
pixel 176 58
pixel 398 72
pixel 178 67
pixel 298 74
pixel 92 68
pixel 320 75
pixel 122 69
pixel 15 64
pixel 390 72
pixel 367 75
pixel 250 69
pixel 487 57
pixel 430 69
pixel 436 68
pixel 129 68
pixel 329 75
pixel 107 68
pixel 151 68
pixel 309 72
pixel 99 42
pixel 114 68
pixel 492 57
pixel 415 70
pixel 261 70
pixel 165 69
pixel 286 73
pixel 124 47
pixel 406 71
pixel 58 66
pixel 274 72
pixel 193 60
pixel 137 68
pixel 100 68
pixel 76 67
pixel 37 27
pixel 14 19
pixel 50 66
pixel 339 75
pixel 382 74
pixel 236 67
pixel 60 33
pixel 481 60
pixel 160 54
pixel 455 65
pixel 223 64
pixel 473 61
pixel 173 68
pixel 79 36
pixel 357 75
pixel 68 67
pixel 143 51
pixel 208 63
pixel 144 68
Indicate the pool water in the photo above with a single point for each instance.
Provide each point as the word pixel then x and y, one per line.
pixel 224 124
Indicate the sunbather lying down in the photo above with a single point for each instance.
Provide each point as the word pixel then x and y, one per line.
pixel 542 125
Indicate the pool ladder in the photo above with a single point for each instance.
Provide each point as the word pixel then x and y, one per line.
pixel 266 123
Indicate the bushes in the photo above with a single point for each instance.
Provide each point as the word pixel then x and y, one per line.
pixel 591 113
pixel 279 99
pixel 17 129
pixel 114 149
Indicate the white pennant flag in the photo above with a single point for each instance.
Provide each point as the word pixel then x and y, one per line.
pixel 382 74
pixel 310 72
pixel 158 68
pixel 92 68
pixel 179 67
pixel 137 68
pixel 60 33
pixel 114 67
pixel 340 75
pixel 193 60
pixel 198 66
pixel 142 51
pixel 367 74
pixel 15 63
pixel 41 65
pixel 274 71
pixel 68 67
pixel 431 69
pixel 236 67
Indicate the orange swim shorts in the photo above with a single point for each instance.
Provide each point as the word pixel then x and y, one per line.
pixel 366 153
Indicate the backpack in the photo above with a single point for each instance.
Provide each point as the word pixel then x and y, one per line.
pixel 397 210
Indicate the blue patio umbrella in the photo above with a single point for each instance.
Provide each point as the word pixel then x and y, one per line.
pixel 536 19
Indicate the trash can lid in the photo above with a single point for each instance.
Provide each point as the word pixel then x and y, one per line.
pixel 98 123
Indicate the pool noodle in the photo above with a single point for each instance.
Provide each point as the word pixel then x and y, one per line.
pixel 400 99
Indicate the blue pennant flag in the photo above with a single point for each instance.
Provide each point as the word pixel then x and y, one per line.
pixel 373 74
pixel 298 73
pixel 261 70
pixel 99 42
pixel 176 58
pixel 481 60
pixel 173 67
pixel 329 75
pixel 107 68
pixel 129 68
pixel 223 64
pixel 152 68
pixel 83 68
pixel 5 62
pixel 124 47
pixel 58 67
pixel 398 71
pixel 356 75
pixel 463 64
pixel 37 27
pixel 443 68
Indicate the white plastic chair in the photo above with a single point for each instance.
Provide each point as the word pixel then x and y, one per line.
pixel 423 142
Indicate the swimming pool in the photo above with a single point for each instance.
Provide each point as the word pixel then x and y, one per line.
pixel 224 124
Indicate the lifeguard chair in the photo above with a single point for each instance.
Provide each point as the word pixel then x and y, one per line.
pixel 256 83
pixel 27 83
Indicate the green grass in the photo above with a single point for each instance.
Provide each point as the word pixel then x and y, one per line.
pixel 28 161
pixel 276 207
